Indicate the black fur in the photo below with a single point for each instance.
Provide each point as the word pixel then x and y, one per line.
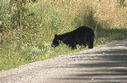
pixel 82 36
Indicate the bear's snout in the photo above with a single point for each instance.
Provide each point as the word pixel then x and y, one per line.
pixel 53 46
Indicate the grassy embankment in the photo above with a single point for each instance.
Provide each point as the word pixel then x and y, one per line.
pixel 48 17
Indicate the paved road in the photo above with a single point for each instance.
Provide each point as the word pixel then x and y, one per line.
pixel 103 64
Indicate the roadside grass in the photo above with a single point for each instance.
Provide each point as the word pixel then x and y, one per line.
pixel 47 17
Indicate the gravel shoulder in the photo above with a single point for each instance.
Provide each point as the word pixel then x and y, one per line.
pixel 102 64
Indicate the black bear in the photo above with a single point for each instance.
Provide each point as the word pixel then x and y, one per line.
pixel 82 36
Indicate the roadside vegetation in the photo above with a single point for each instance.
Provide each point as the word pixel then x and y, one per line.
pixel 27 28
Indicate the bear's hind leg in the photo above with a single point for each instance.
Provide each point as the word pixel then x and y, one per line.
pixel 90 45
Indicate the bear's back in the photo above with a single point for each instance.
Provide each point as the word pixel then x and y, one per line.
pixel 83 30
pixel 78 33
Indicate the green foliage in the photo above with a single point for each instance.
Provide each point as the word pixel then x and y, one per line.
pixel 18 11
pixel 121 2
pixel 44 16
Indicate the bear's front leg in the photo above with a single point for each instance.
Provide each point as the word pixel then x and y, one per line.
pixel 73 45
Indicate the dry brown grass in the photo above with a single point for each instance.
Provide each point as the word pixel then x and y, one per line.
pixel 108 11
pixel 105 11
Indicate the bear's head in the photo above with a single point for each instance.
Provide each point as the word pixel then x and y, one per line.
pixel 55 42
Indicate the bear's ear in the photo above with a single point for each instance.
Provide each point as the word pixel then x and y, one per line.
pixel 56 35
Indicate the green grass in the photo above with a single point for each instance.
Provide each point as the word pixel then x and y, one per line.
pixel 46 18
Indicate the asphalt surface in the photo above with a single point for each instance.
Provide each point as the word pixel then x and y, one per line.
pixel 103 64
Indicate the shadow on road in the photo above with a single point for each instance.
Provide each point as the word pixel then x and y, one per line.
pixel 108 66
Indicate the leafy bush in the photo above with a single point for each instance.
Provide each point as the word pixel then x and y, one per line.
pixel 121 2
